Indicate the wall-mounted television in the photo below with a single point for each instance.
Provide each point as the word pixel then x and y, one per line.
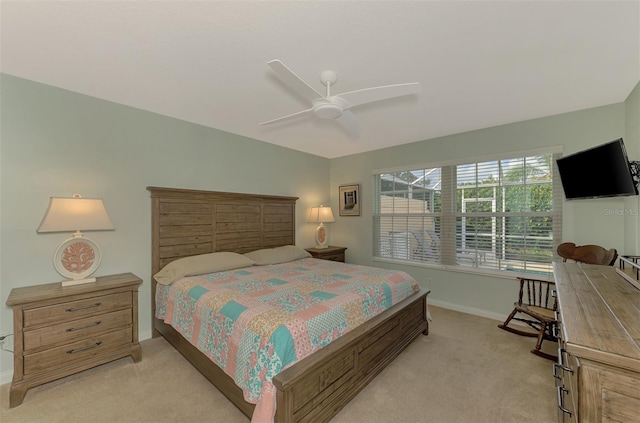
pixel 602 171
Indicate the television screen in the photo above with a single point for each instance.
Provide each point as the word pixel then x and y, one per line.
pixel 602 171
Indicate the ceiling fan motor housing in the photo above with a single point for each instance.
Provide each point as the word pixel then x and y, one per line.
pixel 329 107
pixel 328 111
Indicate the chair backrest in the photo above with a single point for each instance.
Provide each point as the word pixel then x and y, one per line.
pixel 535 292
pixel 590 254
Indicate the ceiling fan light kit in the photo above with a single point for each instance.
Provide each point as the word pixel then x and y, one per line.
pixel 337 107
pixel 330 107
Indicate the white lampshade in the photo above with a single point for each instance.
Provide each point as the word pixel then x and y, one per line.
pixel 77 258
pixel 320 215
pixel 75 214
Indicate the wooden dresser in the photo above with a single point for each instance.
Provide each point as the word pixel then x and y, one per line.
pixel 64 330
pixel 598 370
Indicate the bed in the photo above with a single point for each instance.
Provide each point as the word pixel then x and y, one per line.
pixel 189 223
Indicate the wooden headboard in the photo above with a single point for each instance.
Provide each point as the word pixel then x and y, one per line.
pixel 190 222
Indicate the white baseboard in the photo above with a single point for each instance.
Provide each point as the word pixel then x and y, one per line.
pixel 6 376
pixel 467 310
pixel 144 335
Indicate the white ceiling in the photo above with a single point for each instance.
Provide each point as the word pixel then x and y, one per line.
pixel 480 63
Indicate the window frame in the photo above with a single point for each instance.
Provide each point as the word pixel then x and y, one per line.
pixel 445 261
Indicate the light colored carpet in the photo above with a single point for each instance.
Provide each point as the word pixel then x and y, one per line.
pixel 465 370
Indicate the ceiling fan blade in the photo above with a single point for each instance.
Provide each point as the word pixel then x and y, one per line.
pixel 369 95
pixel 349 123
pixel 281 118
pixel 294 81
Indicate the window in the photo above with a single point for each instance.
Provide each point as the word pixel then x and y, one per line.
pixel 501 214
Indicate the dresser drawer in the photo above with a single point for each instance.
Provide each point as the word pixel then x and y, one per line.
pixel 76 351
pixel 333 257
pixel 66 332
pixel 75 309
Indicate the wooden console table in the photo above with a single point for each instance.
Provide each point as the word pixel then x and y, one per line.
pixel 598 370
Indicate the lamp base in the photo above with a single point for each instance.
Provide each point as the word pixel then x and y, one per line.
pixel 77 259
pixel 321 236
pixel 71 282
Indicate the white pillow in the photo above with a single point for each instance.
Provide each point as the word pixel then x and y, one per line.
pixel 277 255
pixel 200 265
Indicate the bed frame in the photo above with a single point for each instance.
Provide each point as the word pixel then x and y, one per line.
pixel 190 222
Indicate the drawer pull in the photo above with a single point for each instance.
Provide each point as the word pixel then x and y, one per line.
pixel 71 310
pixel 90 325
pixel 560 361
pixel 561 401
pixel 556 366
pixel 96 345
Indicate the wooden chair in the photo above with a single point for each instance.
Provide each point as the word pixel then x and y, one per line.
pixel 536 308
pixel 591 254
pixel 537 303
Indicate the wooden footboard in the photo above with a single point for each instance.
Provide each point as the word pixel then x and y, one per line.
pixel 317 387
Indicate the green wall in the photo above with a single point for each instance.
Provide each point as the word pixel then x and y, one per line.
pixel 57 143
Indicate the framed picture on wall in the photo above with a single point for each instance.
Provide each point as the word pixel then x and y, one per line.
pixel 349 200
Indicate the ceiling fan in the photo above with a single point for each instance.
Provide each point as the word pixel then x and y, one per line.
pixel 337 107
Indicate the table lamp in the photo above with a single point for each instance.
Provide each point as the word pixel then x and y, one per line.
pixel 78 257
pixel 321 215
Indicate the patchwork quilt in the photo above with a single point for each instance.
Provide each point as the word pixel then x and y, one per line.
pixel 256 321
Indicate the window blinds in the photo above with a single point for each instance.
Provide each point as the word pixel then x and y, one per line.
pixel 501 214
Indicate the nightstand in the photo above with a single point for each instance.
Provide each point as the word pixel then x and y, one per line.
pixel 329 253
pixel 64 330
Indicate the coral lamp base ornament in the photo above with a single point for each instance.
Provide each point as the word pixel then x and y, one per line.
pixel 321 236
pixel 76 259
